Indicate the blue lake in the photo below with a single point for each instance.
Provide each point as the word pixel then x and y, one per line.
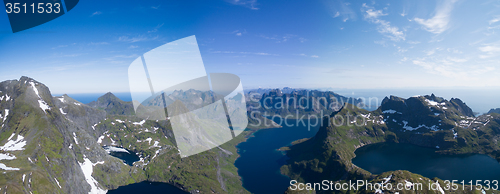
pixel 128 157
pixel 260 161
pixel 382 157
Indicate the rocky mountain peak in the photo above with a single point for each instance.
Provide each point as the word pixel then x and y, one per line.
pixel 423 113
pixel 113 105
pixel 496 110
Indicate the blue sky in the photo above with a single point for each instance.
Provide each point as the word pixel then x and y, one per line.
pixel 310 44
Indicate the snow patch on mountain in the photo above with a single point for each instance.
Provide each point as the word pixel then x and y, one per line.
pixel 74 137
pixel 390 111
pixel 410 128
pixel 87 168
pixel 12 145
pixel 61 99
pixel 2 166
pixel 43 105
pixel 7 156
pixel 6 114
pixel 115 149
pixel 139 123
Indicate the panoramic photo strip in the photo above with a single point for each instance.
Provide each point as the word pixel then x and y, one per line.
pixel 250 96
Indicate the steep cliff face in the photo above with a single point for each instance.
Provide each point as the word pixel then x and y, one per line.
pixel 50 152
pixel 448 126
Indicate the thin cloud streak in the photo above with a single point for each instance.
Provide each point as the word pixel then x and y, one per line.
pixel 440 22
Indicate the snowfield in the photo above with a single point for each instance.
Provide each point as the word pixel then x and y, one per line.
pixel 12 145
pixel 87 169
pixel 139 123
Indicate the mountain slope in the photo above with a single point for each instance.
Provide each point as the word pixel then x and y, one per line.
pixel 48 157
pixel 54 145
pixel 424 120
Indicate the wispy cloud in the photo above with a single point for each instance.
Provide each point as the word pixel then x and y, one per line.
pixel 384 27
pixel 489 51
pixel 493 26
pixel 121 59
pixel 59 55
pixel 494 20
pixel 60 46
pixel 340 9
pixel 239 32
pixel 312 56
pixel 440 21
pixel 413 42
pixel 133 46
pixel 452 67
pixel 251 4
pixel 284 38
pixel 155 29
pixel 139 38
pixel 96 13
pixel 63 46
pixel 245 53
pixel 155 7
pixel 404 14
pixel 381 42
pixel 98 43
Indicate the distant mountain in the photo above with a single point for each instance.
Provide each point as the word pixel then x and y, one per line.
pixel 262 91
pixel 430 121
pixel 113 105
pixel 496 110
pixel 297 102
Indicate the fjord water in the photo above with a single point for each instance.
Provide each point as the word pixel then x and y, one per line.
pixel 260 161
pixel 382 157
pixel 148 187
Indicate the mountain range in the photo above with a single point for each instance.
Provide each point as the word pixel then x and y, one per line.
pixel 449 126
pixel 55 144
